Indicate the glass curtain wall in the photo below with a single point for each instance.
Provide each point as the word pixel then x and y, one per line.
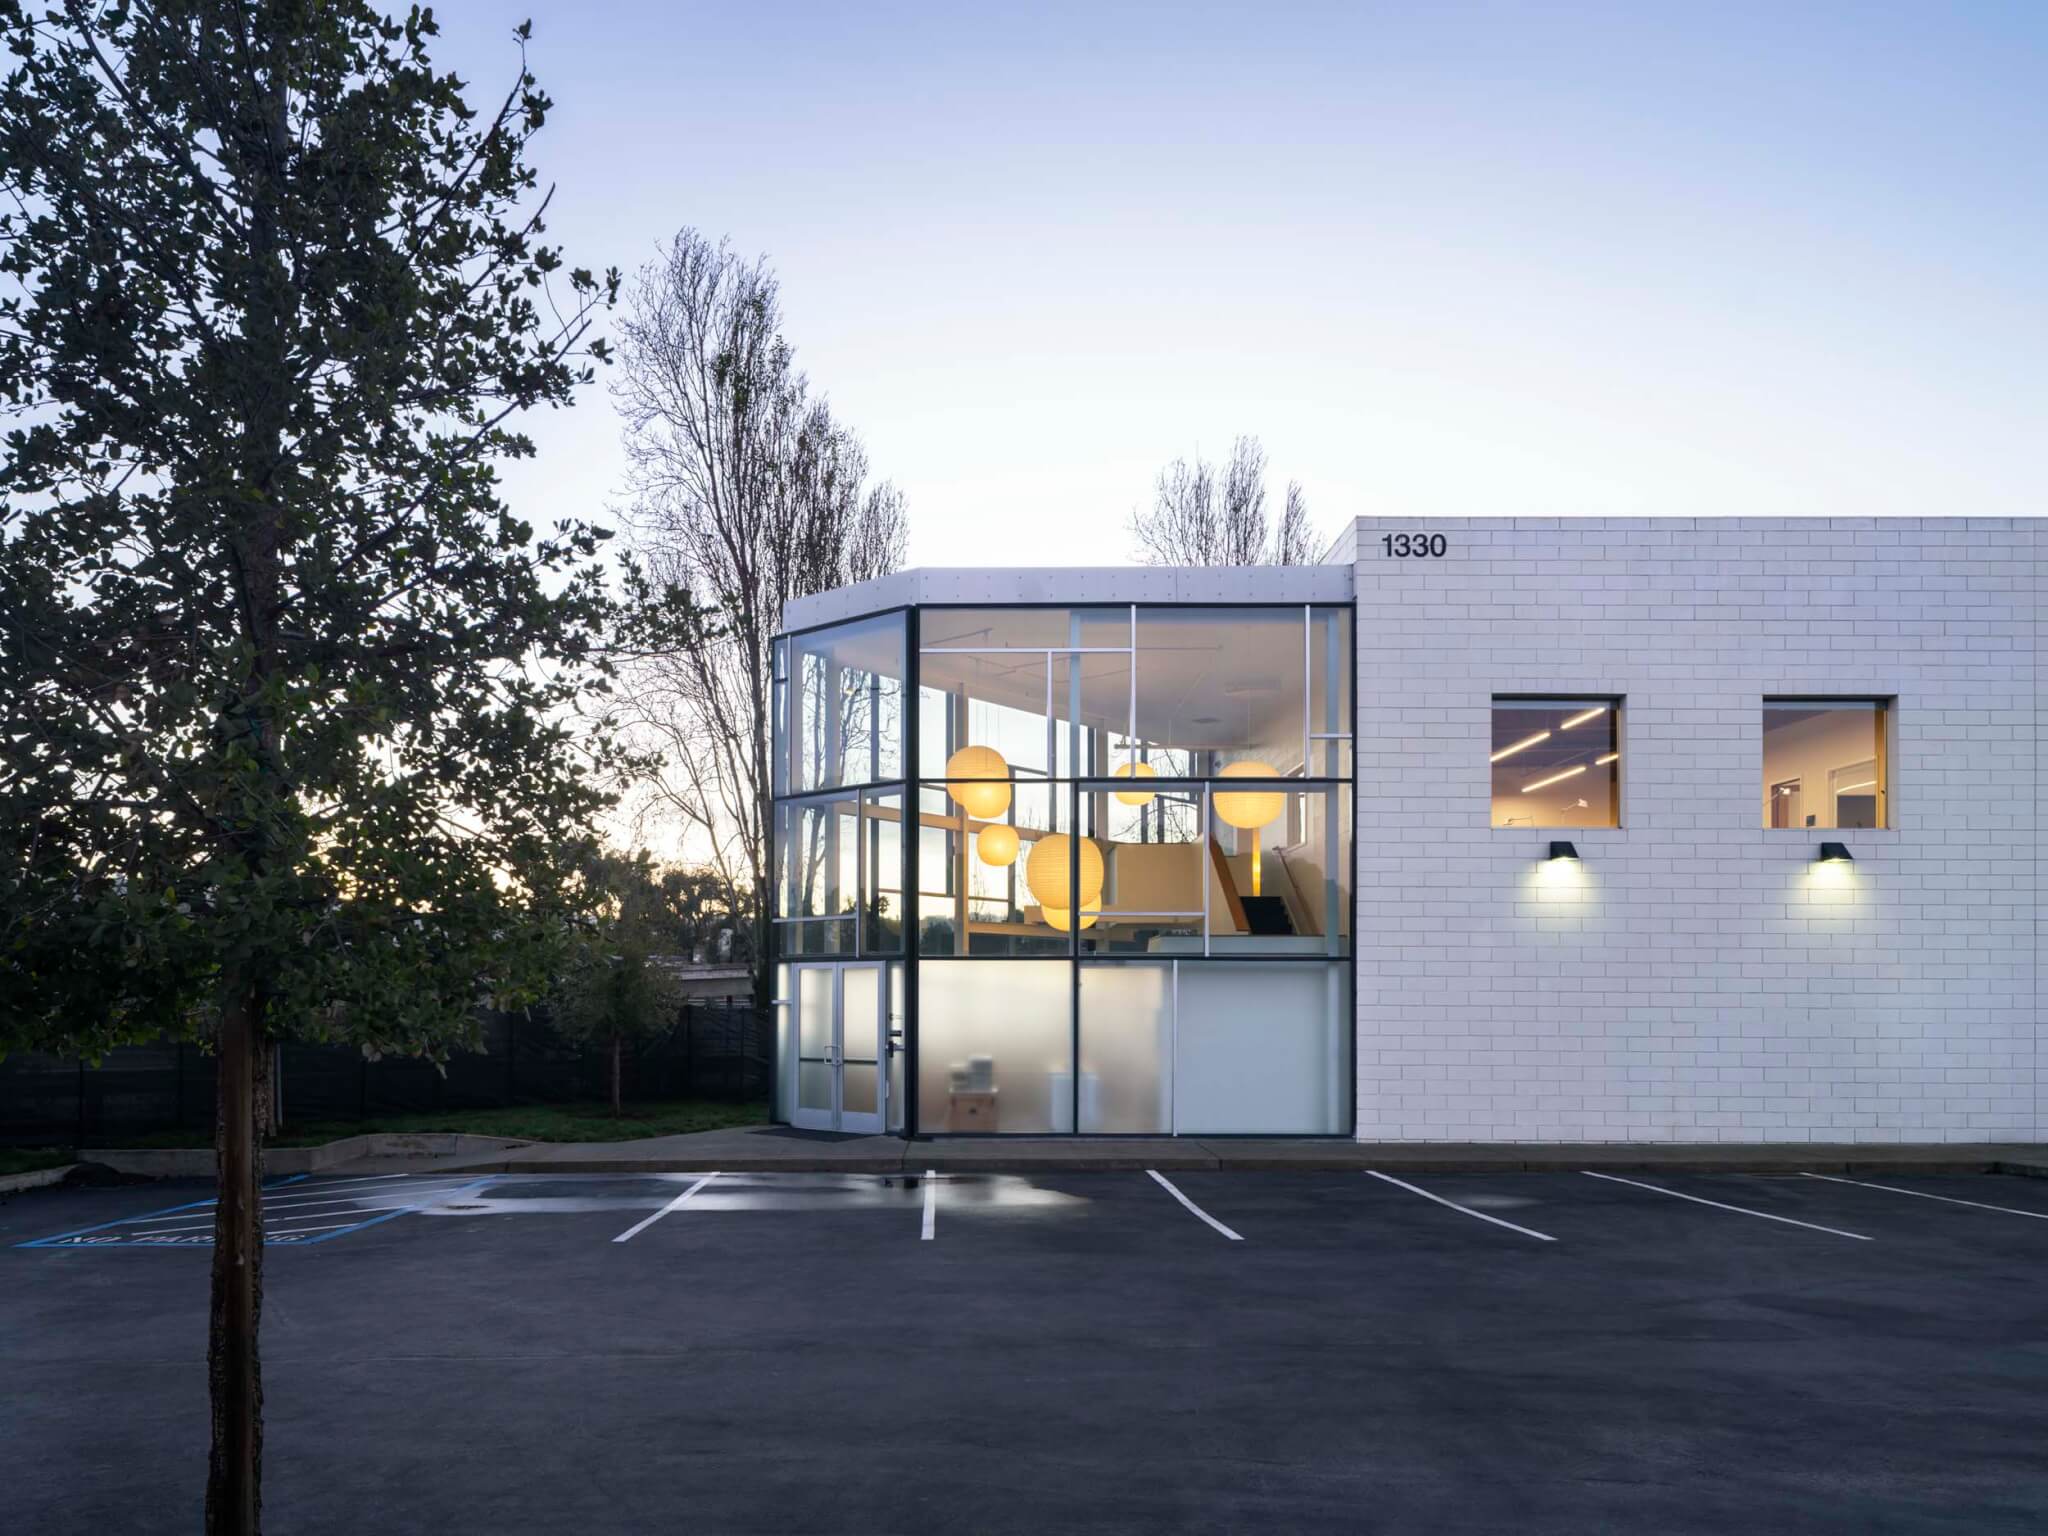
pixel 836 840
pixel 1144 815
pixel 1113 842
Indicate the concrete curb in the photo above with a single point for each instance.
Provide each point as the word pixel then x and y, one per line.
pixel 36 1178
pixel 197 1162
pixel 1194 1156
pixel 742 1152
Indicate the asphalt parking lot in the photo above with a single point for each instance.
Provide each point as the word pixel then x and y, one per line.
pixel 1085 1352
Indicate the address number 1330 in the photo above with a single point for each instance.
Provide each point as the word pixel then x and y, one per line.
pixel 1415 546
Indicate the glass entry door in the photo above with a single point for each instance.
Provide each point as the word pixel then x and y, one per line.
pixel 841 1027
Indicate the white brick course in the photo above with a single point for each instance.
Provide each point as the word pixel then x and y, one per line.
pixel 1699 983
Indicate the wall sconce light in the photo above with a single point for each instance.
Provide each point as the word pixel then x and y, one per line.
pixel 1836 853
pixel 1563 850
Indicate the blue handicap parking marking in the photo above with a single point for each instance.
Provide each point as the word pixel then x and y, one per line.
pixel 297 1211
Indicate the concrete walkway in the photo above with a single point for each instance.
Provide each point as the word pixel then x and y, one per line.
pixel 758 1149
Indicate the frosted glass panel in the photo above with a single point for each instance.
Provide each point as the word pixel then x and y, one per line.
pixel 1127 1048
pixel 1261 1049
pixel 814 1011
pixel 859 1089
pixel 814 1086
pixel 995 1038
pixel 859 1016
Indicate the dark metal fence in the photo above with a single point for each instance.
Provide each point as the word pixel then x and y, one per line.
pixel 715 1050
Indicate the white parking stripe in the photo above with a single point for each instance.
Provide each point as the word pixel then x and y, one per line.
pixel 366 1196
pixel 300 1187
pixel 931 1203
pixel 363 1203
pixel 269 1227
pixel 367 1178
pixel 1167 1185
pixel 676 1204
pixel 1921 1194
pixel 1544 1237
pixel 1718 1205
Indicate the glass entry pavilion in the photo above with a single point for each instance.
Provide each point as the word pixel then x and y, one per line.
pixel 1045 870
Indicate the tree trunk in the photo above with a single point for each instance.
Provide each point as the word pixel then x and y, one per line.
pixel 234 1499
pixel 616 1109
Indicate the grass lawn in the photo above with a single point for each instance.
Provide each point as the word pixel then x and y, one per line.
pixel 589 1121
pixel 29 1159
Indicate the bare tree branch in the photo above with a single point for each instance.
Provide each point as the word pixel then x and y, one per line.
pixel 745 492
pixel 1201 517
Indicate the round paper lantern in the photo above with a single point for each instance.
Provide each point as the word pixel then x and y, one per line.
pixel 1045 872
pixel 1249 809
pixel 1246 809
pixel 978 778
pixel 1135 771
pixel 997 844
pixel 1059 917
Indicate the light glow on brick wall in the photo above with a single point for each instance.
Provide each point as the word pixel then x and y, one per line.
pixel 1831 881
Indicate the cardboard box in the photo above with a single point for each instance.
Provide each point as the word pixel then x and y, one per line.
pixel 972 1111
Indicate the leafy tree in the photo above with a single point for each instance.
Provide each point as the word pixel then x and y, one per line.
pixel 617 987
pixel 1203 515
pixel 706 923
pixel 288 696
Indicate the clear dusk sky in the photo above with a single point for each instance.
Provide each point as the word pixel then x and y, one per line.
pixel 1662 258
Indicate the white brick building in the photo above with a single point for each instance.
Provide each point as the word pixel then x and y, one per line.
pixel 1693 707
pixel 1697 981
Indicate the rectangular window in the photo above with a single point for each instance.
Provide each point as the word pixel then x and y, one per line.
pixel 1226 685
pixel 1556 762
pixel 1824 763
pixel 844 697
pixel 881 873
pixel 817 854
pixel 975 895
pixel 1329 693
pixel 1154 865
pixel 1040 687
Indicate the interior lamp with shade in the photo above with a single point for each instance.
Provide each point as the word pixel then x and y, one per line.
pixel 997 844
pixel 1249 809
pixel 1135 770
pixel 978 780
pixel 1046 875
pixel 1060 918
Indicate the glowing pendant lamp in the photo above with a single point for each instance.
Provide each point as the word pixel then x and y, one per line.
pixel 1060 917
pixel 1248 810
pixel 1135 771
pixel 1045 872
pixel 997 844
pixel 979 780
